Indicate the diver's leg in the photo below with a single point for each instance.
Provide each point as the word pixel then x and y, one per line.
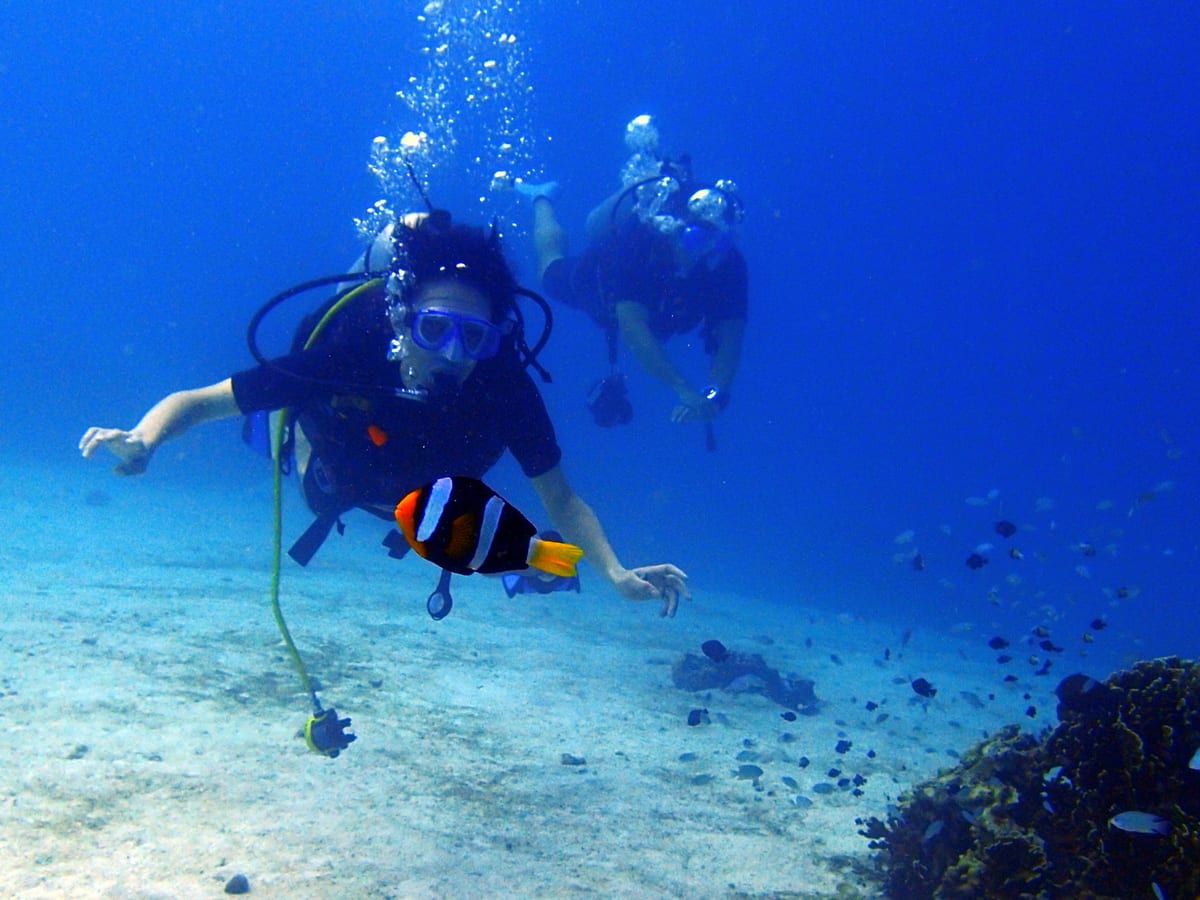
pixel 549 237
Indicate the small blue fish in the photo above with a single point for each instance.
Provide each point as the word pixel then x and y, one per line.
pixel 1195 761
pixel 748 772
pixel 1140 822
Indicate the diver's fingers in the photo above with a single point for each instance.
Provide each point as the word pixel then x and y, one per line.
pixel 672 577
pixel 634 585
pixel 683 413
pixel 662 570
pixel 132 455
pixel 679 586
pixel 96 437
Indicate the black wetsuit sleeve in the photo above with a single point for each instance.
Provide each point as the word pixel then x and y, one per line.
pixel 288 381
pixel 531 437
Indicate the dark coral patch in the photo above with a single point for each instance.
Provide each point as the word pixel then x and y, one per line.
pixel 1019 817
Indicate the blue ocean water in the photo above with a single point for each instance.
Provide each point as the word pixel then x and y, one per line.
pixel 972 233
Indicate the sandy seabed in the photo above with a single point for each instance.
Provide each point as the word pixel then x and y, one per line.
pixel 151 716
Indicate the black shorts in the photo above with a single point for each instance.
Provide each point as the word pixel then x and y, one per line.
pixel 575 285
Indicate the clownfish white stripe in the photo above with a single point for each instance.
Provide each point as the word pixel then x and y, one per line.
pixel 439 496
pixel 487 530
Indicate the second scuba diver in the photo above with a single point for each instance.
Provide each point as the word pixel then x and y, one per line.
pixel 661 261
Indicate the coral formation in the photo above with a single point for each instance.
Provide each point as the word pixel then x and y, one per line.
pixel 1023 818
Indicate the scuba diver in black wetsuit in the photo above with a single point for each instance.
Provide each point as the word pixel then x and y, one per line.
pixel 661 261
pixel 421 376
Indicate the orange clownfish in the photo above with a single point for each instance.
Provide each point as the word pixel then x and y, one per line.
pixel 462 525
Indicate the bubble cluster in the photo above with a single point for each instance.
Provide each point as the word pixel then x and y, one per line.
pixel 466 115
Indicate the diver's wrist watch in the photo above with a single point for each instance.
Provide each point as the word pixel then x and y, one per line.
pixel 716 396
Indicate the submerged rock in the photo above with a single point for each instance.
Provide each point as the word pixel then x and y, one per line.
pixel 238 884
pixel 744 673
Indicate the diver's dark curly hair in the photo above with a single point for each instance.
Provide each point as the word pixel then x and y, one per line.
pixel 437 248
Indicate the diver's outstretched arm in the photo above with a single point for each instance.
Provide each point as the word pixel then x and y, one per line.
pixel 729 334
pixel 633 319
pixel 579 525
pixel 168 418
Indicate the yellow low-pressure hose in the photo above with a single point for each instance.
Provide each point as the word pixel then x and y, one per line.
pixel 277 438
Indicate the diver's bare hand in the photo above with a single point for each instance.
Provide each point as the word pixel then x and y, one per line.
pixel 126 446
pixel 705 412
pixel 694 407
pixel 663 582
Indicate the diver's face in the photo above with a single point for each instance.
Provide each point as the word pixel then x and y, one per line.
pixel 447 359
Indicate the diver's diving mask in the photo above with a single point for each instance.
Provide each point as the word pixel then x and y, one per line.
pixel 436 329
pixel 711 213
pixel 719 205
